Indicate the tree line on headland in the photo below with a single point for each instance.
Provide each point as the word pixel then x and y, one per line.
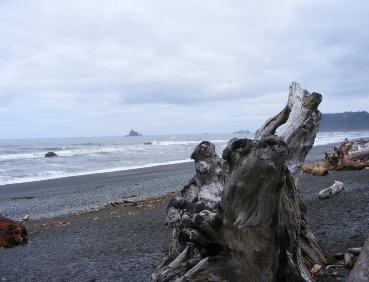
pixel 347 121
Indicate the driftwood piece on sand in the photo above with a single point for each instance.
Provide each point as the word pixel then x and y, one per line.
pixel 12 233
pixel 348 156
pixel 336 188
pixel 241 217
pixel 360 272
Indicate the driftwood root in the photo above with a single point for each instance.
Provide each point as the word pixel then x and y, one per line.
pixel 12 233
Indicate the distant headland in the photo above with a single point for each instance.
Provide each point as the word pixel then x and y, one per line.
pixel 347 121
pixel 242 131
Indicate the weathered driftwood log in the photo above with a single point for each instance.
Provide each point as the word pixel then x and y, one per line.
pixel 241 218
pixel 360 152
pixel 349 155
pixel 319 169
pixel 12 233
pixel 336 188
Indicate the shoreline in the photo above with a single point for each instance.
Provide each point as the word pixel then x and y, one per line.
pixel 117 169
pixel 30 179
pixel 62 196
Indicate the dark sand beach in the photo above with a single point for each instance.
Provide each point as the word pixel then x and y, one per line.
pixel 56 197
pixel 124 243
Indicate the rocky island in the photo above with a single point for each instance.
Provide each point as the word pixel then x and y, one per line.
pixel 133 133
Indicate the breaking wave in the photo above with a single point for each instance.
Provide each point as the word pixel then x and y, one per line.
pixel 60 174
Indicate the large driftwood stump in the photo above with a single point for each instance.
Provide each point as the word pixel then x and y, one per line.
pixel 12 233
pixel 241 217
pixel 360 272
pixel 349 155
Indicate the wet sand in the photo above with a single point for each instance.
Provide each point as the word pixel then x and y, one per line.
pixel 57 197
pixel 124 243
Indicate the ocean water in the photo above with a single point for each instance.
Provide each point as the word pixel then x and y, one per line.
pixel 22 160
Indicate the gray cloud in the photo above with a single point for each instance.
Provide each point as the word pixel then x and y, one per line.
pixel 69 64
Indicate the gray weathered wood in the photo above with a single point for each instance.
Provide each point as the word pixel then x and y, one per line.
pixel 360 272
pixel 241 217
pixel 349 155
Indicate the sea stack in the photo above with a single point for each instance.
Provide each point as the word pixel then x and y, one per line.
pixel 133 133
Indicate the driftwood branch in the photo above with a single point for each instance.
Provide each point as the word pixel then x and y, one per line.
pixel 241 217
pixel 349 155
pixel 299 122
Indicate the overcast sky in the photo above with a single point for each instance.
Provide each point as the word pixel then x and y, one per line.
pixel 95 68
